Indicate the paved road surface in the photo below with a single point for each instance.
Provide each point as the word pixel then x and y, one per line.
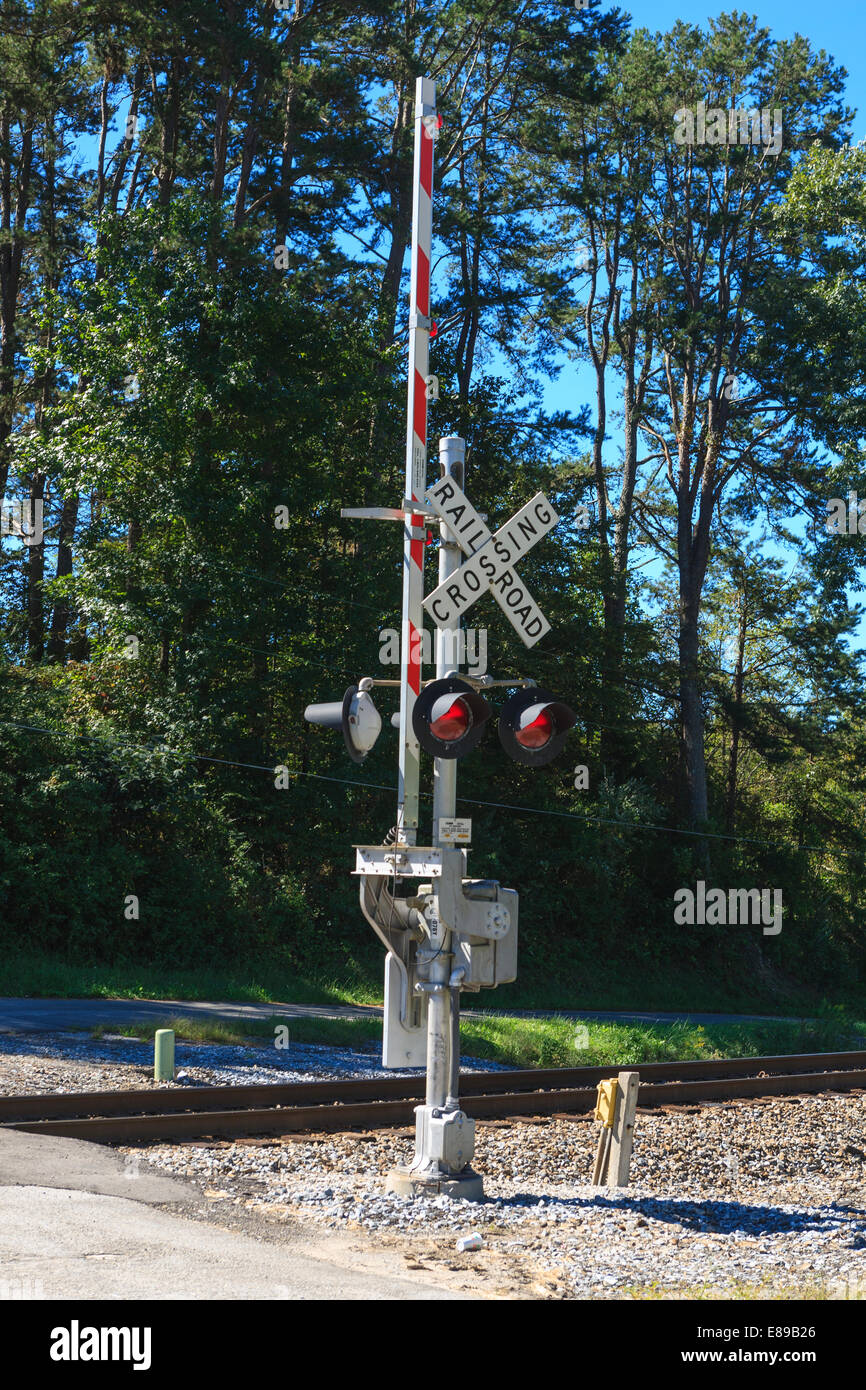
pixel 74 1224
pixel 27 1015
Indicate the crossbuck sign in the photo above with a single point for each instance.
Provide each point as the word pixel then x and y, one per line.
pixel 491 560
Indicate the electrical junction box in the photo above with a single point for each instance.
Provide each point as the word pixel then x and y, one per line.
pixel 448 1136
pixel 482 918
pixel 488 960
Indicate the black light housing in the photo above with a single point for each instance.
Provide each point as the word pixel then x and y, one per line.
pixel 356 715
pixel 449 718
pixel 533 726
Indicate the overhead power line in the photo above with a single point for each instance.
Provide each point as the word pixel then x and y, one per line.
pixel 381 786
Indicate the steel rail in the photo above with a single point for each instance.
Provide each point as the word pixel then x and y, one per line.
pixel 335 1105
pixel 150 1101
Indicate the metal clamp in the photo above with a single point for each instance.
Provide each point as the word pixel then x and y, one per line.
pixel 605 1105
pixel 400 861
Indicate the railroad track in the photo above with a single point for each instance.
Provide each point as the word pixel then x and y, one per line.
pixel 320 1106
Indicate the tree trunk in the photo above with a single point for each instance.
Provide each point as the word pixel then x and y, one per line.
pixel 170 133
pixel 736 714
pixel 61 614
pixel 401 167
pixel 128 143
pixel 692 719
pixel 222 110
pixel 11 249
pixel 35 579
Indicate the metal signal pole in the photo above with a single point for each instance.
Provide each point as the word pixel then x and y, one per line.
pixel 453 932
pixel 443 1134
pixel 444 1009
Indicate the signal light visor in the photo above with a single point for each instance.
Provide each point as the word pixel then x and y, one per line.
pixel 536 729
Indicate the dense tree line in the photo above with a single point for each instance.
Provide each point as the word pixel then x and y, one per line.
pixel 205 212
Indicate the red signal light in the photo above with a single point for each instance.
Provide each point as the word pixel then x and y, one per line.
pixel 449 718
pixel 533 726
pixel 537 733
pixel 453 723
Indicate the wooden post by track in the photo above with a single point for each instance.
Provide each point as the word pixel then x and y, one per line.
pixel 617 1103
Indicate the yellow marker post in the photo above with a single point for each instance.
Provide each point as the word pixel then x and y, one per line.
pixel 605 1105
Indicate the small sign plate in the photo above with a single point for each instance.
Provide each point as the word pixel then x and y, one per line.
pixel 454 831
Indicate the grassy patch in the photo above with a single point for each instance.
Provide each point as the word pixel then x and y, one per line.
pixel 589 985
pixel 532 1042
pixel 529 1042
pixel 357 1033
pixel 762 1291
pixel 30 976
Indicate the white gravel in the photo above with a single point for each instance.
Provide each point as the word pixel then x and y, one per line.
pixel 768 1198
pixel 31 1063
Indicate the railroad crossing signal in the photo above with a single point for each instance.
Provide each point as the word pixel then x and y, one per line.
pixel 450 932
pixel 449 718
pixel 356 715
pixel 491 560
pixel 533 726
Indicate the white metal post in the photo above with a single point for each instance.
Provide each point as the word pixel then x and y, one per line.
pixel 444 1141
pixel 452 457
pixel 416 457
pixel 444 1137
pixel 452 453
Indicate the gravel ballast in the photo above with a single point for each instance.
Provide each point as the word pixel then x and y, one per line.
pixel 757 1200
pixel 754 1199
pixel 31 1063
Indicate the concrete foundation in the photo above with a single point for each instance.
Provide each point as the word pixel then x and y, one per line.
pixel 467 1185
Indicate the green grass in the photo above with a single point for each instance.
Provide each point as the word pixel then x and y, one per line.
pixel 763 1291
pixel 535 1042
pixel 358 1033
pixel 31 976
pixel 589 984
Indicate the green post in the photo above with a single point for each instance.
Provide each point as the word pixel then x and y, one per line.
pixel 163 1054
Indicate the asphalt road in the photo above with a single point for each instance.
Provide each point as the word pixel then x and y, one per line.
pixel 74 1225
pixel 48 1015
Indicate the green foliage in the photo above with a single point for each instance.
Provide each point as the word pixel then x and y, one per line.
pixel 535 1042
pixel 195 417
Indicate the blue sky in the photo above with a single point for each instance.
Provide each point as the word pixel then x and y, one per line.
pixel 839 27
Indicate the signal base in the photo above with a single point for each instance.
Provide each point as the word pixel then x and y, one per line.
pixel 467 1186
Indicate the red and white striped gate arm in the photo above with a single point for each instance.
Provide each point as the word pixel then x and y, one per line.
pixel 416 456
